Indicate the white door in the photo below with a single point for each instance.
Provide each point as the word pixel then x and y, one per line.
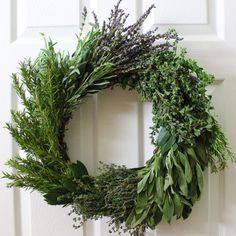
pixel 115 124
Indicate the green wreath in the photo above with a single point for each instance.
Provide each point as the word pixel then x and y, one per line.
pixel 186 136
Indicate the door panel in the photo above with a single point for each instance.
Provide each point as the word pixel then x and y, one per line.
pixel 113 126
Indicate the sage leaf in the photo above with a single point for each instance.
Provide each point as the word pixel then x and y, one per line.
pixel 187 168
pixel 79 169
pixel 150 188
pixel 160 189
pixel 142 183
pixel 163 136
pixel 182 182
pixel 199 177
pixel 157 216
pixel 139 218
pixel 151 176
pixel 192 154
pixel 167 146
pixel 154 219
pixel 168 208
pixel 53 197
pixel 201 152
pixel 178 205
pixel 168 181
pixel 130 219
pixel 142 199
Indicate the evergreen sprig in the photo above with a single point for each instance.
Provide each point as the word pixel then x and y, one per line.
pixel 186 135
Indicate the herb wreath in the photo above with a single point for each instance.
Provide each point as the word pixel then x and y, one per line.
pixel 186 135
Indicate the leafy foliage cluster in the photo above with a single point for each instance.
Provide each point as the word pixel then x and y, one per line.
pixel 187 137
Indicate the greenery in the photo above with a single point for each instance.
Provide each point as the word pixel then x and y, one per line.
pixel 186 136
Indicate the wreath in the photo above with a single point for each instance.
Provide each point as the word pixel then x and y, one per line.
pixel 186 136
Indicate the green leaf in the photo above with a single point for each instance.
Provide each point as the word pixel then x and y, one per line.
pixel 178 205
pixel 160 189
pixel 163 136
pixel 70 185
pixel 151 176
pixel 156 164
pixel 192 154
pixel 79 170
pixel 200 177
pixel 182 157
pixel 168 163
pixel 182 182
pixel 176 162
pixel 137 218
pixel 167 146
pixel 168 181
pixel 151 222
pixel 193 189
pixel 142 183
pixel 201 152
pixel 142 199
pixel 185 201
pixel 168 208
pixel 188 171
pixel 187 167
pixel 130 219
pixel 52 197
pixel 155 218
pixel 150 188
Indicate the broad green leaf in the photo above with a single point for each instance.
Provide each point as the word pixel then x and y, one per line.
pixel 139 218
pixel 182 157
pixel 192 154
pixel 142 183
pixel 175 147
pixel 168 181
pixel 199 177
pixel 151 222
pixel 176 162
pixel 156 164
pixel 151 176
pixel 201 152
pixel 193 188
pixel 188 171
pixel 142 199
pixel 130 219
pixel 160 189
pixel 70 185
pixel 53 197
pixel 150 188
pixel 163 136
pixel 185 201
pixel 155 218
pixel 187 168
pixel 167 146
pixel 168 162
pixel 79 170
pixel 178 205
pixel 182 182
pixel 168 208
